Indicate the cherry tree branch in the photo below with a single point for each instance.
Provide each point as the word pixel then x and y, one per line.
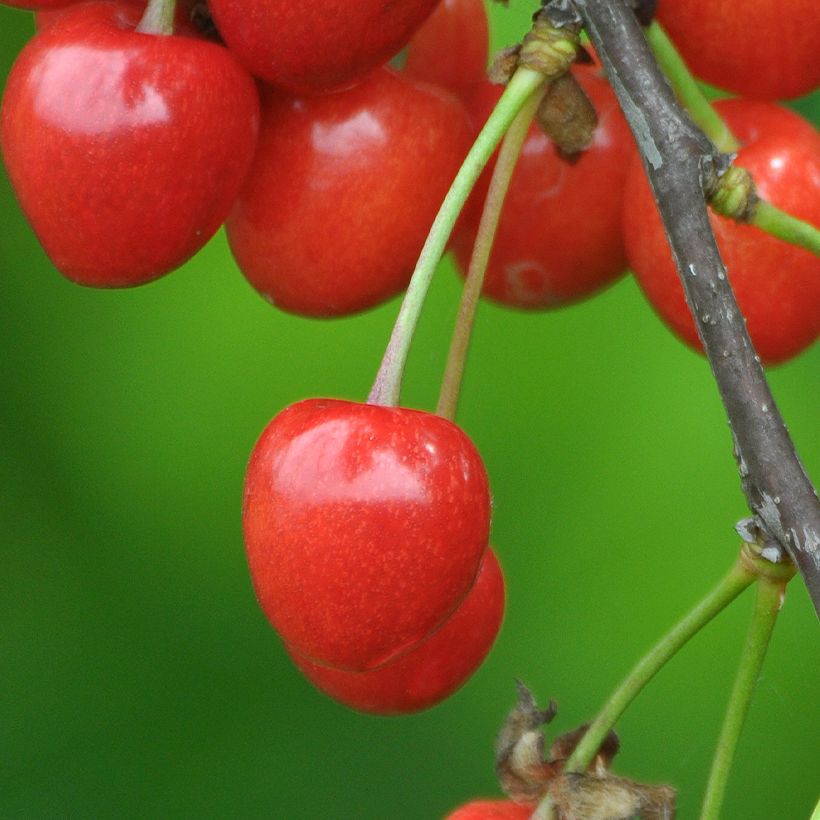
pixel 683 166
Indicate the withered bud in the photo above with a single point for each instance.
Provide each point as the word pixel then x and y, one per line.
pixel 567 116
pixel 519 762
pixel 579 796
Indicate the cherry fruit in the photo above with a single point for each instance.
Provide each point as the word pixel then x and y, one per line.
pixel 126 150
pixel 343 191
pixel 492 810
pixel 435 668
pixel 756 48
pixel 364 527
pixel 451 49
pixel 559 238
pixel 308 47
pixel 777 285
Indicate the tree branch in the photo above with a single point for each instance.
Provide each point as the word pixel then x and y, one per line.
pixel 682 166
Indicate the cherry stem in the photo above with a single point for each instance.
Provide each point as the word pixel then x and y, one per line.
pixel 768 603
pixel 784 226
pixel 766 216
pixel 689 91
pixel 158 18
pixel 387 386
pixel 490 216
pixel 737 579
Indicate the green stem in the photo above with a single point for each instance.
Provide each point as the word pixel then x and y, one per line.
pixel 689 92
pixel 784 226
pixel 767 605
pixel 387 386
pixel 737 579
pixel 158 18
pixel 490 216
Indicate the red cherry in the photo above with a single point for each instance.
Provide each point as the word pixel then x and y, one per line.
pixel 756 48
pixel 777 285
pixel 451 48
pixel 126 150
pixel 343 191
pixel 45 16
pixel 364 527
pixel 32 5
pixel 308 47
pixel 559 238
pixel 433 670
pixel 492 810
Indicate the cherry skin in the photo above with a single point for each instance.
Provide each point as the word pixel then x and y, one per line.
pixel 364 528
pixel 451 48
pixel 492 810
pixel 755 48
pixel 435 668
pixel 777 285
pixel 33 5
pixel 559 238
pixel 307 47
pixel 142 142
pixel 343 191
pixel 45 16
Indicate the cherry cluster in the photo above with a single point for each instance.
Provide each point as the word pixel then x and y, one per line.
pixel 131 135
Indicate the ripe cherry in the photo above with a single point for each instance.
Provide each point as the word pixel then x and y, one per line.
pixel 492 810
pixel 364 527
pixel 343 191
pixel 559 238
pixel 451 48
pixel 777 285
pixel 435 668
pixel 308 47
pixel 756 48
pixel 126 150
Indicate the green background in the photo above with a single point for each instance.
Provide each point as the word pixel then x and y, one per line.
pixel 138 677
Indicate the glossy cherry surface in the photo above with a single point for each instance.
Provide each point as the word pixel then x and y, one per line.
pixel 777 285
pixel 433 670
pixel 451 48
pixel 343 191
pixel 308 47
pixel 559 238
pixel 126 150
pixel 492 810
pixel 756 48
pixel 364 527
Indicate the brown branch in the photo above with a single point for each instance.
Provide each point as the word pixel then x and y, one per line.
pixel 682 166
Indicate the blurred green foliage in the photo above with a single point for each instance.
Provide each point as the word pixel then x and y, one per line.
pixel 138 676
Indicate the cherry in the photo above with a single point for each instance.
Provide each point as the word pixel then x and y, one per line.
pixel 559 238
pixel 343 190
pixel 364 527
pixel 435 668
pixel 45 16
pixel 142 142
pixel 777 285
pixel 32 5
pixel 307 47
pixel 492 810
pixel 756 48
pixel 451 48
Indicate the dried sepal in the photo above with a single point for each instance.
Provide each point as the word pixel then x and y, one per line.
pixel 567 116
pixel 519 752
pixel 565 745
pixel 594 796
